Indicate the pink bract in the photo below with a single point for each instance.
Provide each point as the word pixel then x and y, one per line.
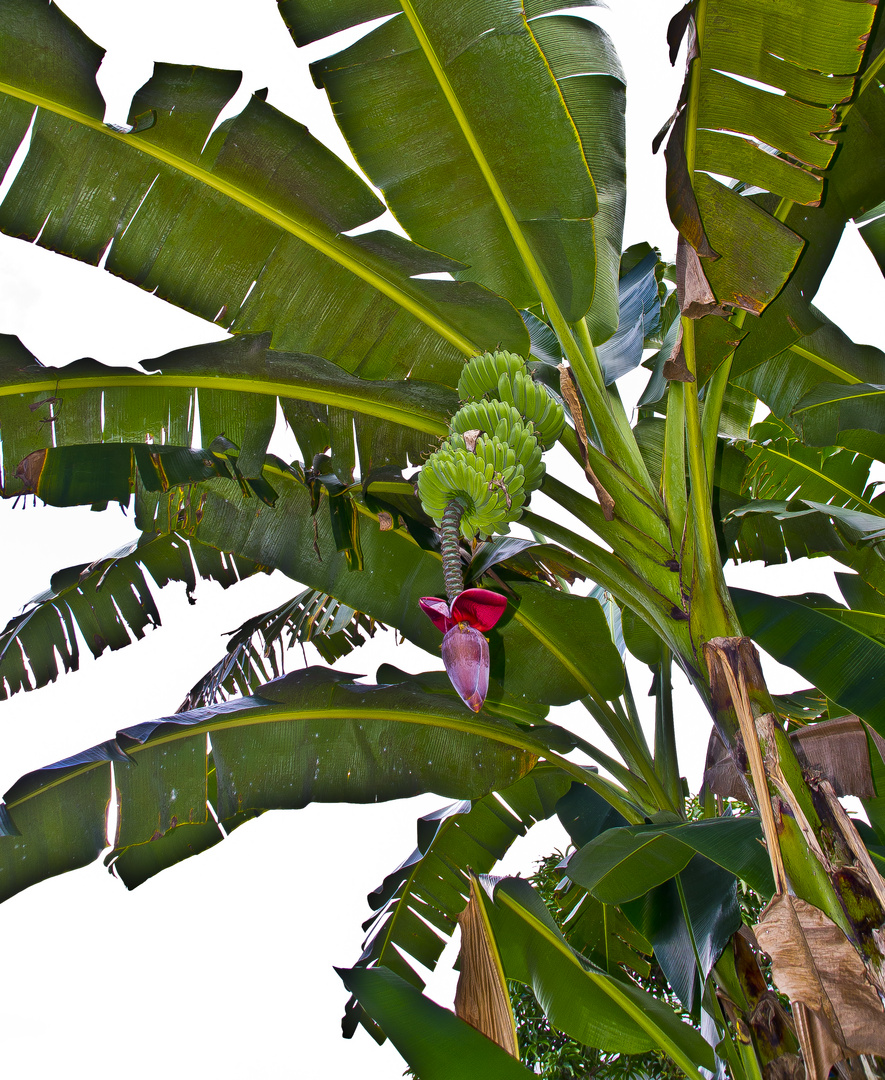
pixel 478 608
pixel 465 653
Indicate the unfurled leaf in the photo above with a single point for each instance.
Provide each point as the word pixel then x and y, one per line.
pixel 273 203
pixel 454 66
pixel 311 736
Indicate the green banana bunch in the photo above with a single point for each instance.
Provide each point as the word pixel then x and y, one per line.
pixel 491 461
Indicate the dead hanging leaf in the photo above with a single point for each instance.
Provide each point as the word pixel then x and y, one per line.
pixel 838 751
pixel 675 366
pixel 696 298
pixel 29 470
pixel 837 1012
pixel 681 200
pixel 569 391
pixel 481 997
pixel 676 30
pixel 834 750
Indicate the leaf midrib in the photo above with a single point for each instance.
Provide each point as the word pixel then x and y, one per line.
pixel 767 450
pixel 605 983
pixel 419 420
pixel 515 739
pixel 314 239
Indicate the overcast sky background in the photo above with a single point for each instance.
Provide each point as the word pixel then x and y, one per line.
pixel 222 965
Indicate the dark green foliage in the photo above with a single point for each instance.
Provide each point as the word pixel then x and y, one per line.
pixel 554 1056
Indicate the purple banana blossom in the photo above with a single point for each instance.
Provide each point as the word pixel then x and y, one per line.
pixel 465 651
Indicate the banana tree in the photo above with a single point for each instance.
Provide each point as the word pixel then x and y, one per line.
pixel 424 376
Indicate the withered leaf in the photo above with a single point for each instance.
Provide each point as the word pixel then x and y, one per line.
pixel 481 998
pixel 838 1014
pixel 569 391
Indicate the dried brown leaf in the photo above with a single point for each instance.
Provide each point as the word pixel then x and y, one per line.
pixel 675 366
pixel 569 390
pixel 696 298
pixel 836 1010
pixel 481 998
pixel 681 200
pixel 835 750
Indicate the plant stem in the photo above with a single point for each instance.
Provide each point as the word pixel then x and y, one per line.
pixel 609 572
pixel 450 546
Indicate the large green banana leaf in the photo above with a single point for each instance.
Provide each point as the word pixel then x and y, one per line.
pixel 729 122
pixel 772 530
pixel 844 661
pixel 777 499
pixel 581 1000
pixel 247 228
pixel 538 649
pixel 538 218
pixel 238 383
pixel 833 414
pixel 782 141
pixel 417 905
pixel 311 736
pixel 781 467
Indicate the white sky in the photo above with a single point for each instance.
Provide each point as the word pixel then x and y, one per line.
pixel 223 964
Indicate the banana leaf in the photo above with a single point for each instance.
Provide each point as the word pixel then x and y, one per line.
pixel 162 194
pixel 689 920
pixel 102 603
pixel 521 217
pixel 238 382
pixel 580 999
pixel 842 660
pixel 256 649
pixel 624 863
pixel 537 649
pixel 417 905
pixel 311 736
pixel 435 1042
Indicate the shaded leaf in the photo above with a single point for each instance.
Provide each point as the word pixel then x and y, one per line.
pixel 689 919
pixel 433 1040
pixel 639 308
pixel 624 863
